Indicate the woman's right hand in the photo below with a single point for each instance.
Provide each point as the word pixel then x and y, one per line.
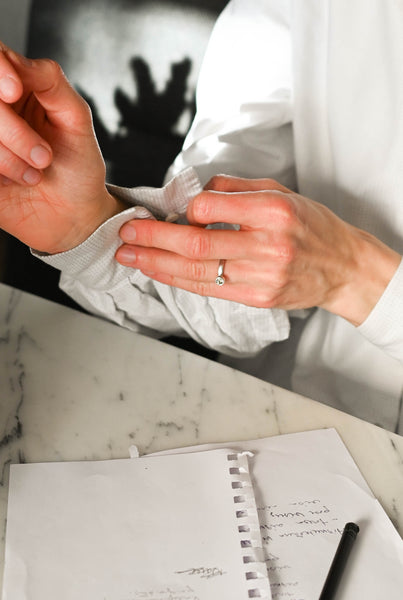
pixel 52 175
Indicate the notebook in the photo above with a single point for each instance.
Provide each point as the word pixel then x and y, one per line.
pixel 179 527
pixel 264 524
pixel 307 487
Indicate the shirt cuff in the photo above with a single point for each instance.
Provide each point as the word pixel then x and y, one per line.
pixel 92 261
pixel 384 325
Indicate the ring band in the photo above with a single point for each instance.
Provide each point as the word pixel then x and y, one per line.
pixel 220 279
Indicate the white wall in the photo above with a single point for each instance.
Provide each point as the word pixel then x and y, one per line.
pixel 13 23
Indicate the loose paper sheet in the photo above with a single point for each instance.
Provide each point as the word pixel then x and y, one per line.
pixel 307 487
pixel 160 528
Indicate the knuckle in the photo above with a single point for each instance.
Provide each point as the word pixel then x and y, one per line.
pixel 53 70
pixel 86 112
pixel 144 232
pixel 278 213
pixel 53 67
pixel 145 260
pixel 54 74
pixel 203 207
pixel 262 299
pixel 15 137
pixel 286 210
pixel 200 288
pixel 81 117
pixel 7 164
pixel 196 271
pixel 280 280
pixel 197 245
pixel 286 252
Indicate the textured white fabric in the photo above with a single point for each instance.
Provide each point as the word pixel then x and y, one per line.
pixel 243 124
pixel 310 93
pixel 314 115
pixel 384 326
pixel 91 276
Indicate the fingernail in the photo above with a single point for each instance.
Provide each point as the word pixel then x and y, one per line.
pixel 126 255
pixel 8 87
pixel 128 234
pixel 31 176
pixel 40 156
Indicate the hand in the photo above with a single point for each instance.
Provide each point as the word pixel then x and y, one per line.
pixel 290 252
pixel 52 175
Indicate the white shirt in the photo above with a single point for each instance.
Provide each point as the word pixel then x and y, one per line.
pixel 310 93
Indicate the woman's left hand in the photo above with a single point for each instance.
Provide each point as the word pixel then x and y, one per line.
pixel 290 252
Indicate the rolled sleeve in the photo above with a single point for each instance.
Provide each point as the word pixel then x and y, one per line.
pixel 384 325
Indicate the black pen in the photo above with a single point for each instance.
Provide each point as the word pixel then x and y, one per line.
pixel 339 562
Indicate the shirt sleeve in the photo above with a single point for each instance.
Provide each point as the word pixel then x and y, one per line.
pixel 384 325
pixel 91 276
pixel 243 123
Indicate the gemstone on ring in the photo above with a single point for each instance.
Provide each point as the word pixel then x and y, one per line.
pixel 220 279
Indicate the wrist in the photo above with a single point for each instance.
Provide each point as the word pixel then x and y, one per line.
pixel 111 206
pixel 105 207
pixel 370 269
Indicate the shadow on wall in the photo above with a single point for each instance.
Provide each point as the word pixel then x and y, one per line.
pixel 145 142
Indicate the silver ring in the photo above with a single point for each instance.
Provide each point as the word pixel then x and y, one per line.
pixel 220 279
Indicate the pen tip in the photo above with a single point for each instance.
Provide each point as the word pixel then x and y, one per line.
pixel 352 528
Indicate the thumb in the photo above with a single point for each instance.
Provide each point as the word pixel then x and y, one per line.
pixel 65 108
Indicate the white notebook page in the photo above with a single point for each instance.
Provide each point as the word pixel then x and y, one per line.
pixel 158 528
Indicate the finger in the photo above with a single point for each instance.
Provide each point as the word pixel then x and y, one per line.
pixel 241 293
pixel 22 140
pixel 159 261
pixel 10 83
pixel 15 133
pixel 201 211
pixel 189 241
pixel 151 260
pixel 251 209
pixel 14 169
pixel 45 77
pixel 64 107
pixel 227 183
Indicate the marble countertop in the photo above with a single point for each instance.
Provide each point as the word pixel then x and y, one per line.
pixel 74 387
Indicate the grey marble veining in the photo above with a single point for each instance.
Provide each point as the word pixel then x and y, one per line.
pixel 73 387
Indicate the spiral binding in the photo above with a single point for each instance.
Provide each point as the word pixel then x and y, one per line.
pixel 248 527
